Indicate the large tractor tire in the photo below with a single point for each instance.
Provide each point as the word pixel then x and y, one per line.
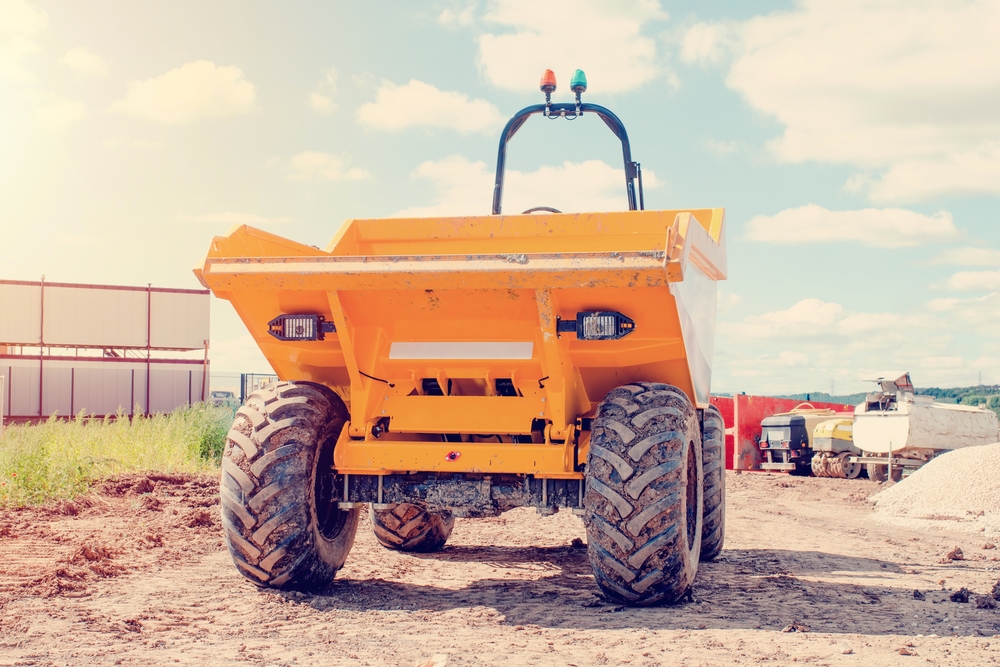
pixel 279 500
pixel 409 527
pixel 713 458
pixel 644 494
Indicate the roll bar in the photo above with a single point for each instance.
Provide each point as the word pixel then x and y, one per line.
pixel 570 111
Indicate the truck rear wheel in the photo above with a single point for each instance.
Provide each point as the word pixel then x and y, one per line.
pixel 279 501
pixel 410 527
pixel 713 459
pixel 644 494
pixel 880 473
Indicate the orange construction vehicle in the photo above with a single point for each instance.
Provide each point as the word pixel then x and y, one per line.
pixel 440 367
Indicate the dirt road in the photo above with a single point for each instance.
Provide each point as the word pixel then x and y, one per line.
pixel 137 575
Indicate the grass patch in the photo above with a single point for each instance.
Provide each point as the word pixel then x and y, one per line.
pixel 60 459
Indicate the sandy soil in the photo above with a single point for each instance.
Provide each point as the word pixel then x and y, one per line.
pixel 137 575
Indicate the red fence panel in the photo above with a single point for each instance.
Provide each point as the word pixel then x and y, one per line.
pixel 726 406
pixel 748 411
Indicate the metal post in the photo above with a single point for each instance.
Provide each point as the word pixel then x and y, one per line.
pixel 149 329
pixel 204 374
pixel 41 347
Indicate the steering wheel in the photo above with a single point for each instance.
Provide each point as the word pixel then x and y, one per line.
pixel 547 209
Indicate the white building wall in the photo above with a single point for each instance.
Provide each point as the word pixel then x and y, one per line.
pixel 97 386
pixel 95 317
pixel 103 316
pixel 179 320
pixel 20 313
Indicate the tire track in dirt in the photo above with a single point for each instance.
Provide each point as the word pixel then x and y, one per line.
pixel 800 555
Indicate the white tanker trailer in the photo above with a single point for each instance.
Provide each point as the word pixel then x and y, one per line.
pixel 898 431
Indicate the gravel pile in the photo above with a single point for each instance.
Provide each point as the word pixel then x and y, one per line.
pixel 959 490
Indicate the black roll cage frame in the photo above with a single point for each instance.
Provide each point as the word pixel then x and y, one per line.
pixel 570 111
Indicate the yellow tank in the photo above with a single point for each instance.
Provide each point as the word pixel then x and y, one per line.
pixel 832 444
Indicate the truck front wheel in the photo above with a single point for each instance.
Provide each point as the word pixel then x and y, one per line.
pixel 279 500
pixel 644 494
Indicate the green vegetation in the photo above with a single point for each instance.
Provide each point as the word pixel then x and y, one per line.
pixel 60 459
pixel 823 397
pixel 988 395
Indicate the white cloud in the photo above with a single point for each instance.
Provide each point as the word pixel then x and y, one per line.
pixel 706 43
pixel 787 358
pixel 233 218
pixel 55 113
pixel 20 23
pixel 601 37
pixel 812 342
pixel 83 61
pixel 321 98
pixel 466 188
pixel 942 362
pixel 457 17
pixel 808 317
pixel 975 171
pixel 982 314
pixel 722 147
pixel 196 90
pixel 881 228
pixel 317 166
pixel 418 104
pixel 911 87
pixel 969 257
pixel 974 280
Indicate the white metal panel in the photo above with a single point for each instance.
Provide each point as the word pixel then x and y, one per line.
pixel 169 388
pixel 461 350
pixel 98 317
pixel 99 387
pixel 24 388
pixel 57 383
pixel 20 314
pixel 102 391
pixel 179 320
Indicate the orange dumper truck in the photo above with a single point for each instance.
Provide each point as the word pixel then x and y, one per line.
pixel 437 368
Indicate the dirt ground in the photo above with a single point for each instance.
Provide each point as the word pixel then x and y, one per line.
pixel 137 574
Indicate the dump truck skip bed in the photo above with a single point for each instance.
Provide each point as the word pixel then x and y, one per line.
pixel 457 326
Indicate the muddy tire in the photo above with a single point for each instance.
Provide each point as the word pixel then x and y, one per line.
pixel 847 469
pixel 279 501
pixel 409 527
pixel 818 466
pixel 713 460
pixel 880 473
pixel 644 494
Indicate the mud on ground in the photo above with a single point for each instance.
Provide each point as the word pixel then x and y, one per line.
pixel 136 573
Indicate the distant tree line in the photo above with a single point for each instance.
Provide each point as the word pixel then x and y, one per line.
pixel 987 395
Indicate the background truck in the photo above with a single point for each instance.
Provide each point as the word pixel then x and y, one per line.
pixel 442 367
pixel 898 431
pixel 786 438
